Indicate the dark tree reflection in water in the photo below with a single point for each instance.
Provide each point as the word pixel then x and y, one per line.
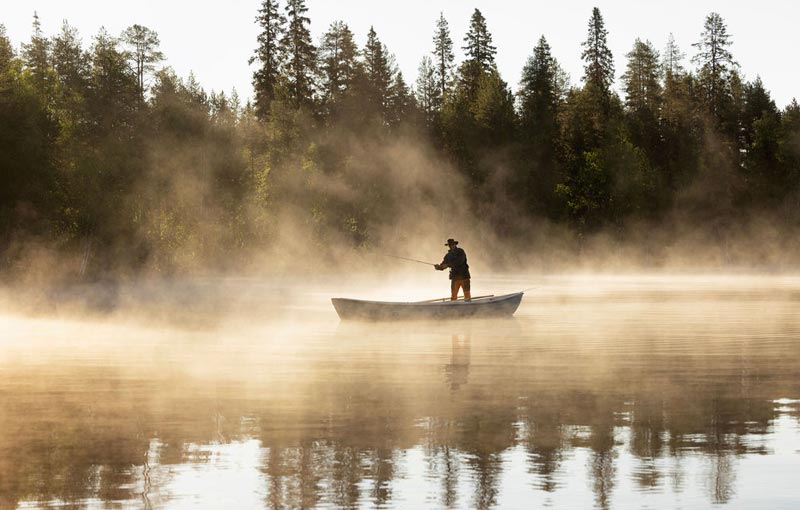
pixel 601 396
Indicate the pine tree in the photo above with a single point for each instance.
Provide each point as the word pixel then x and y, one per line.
pixel 599 62
pixel 265 78
pixel 299 53
pixel 142 43
pixel 338 64
pixel 443 56
pixel 642 78
pixel 643 96
pixel 716 62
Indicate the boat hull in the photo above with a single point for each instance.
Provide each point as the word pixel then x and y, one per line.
pixel 495 306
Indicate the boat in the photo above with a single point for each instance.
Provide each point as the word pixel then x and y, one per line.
pixel 481 306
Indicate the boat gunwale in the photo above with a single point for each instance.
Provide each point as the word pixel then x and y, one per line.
pixel 444 302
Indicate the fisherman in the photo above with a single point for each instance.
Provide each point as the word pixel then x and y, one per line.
pixel 456 260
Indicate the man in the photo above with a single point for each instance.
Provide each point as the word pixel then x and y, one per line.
pixel 456 260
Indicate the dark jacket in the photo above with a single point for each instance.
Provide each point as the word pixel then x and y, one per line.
pixel 456 260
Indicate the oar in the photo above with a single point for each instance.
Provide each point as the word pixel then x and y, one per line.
pixel 406 258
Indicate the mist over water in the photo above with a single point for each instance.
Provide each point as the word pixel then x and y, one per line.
pixel 604 391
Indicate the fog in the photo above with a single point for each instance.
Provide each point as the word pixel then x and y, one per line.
pixel 602 389
pixel 397 198
pixel 168 256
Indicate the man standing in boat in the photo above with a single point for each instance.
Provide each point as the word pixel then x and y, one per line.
pixel 456 260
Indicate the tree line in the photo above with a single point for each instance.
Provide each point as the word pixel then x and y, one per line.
pixel 110 157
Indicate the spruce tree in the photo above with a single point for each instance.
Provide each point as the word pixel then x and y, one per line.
pixel 6 51
pixel 478 47
pixel 299 53
pixel 73 70
pixel 479 53
pixel 379 72
pixel 494 107
pixel 114 87
pixel 758 105
pixel 761 134
pixel 790 147
pixel 236 104
pixel 69 60
pixel 539 97
pixel 427 91
pixel 265 78
pixel 400 101
pixel 36 56
pixel 338 62
pixel 538 89
pixel 672 62
pixel 676 81
pixel 599 62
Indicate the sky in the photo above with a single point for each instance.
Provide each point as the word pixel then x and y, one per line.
pixel 215 40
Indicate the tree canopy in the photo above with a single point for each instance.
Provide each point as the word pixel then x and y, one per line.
pixel 112 160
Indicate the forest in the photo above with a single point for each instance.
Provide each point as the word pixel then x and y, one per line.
pixel 111 164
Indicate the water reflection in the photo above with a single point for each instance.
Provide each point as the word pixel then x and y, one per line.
pixel 500 414
pixel 457 371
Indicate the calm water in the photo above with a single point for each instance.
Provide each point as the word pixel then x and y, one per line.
pixel 603 391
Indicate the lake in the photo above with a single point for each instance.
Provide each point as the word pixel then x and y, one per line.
pixel 604 391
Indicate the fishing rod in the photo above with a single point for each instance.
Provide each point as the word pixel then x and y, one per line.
pixel 406 258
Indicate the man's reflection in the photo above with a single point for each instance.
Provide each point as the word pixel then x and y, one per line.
pixel 457 371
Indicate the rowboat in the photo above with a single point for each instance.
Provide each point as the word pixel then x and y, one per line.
pixel 483 306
